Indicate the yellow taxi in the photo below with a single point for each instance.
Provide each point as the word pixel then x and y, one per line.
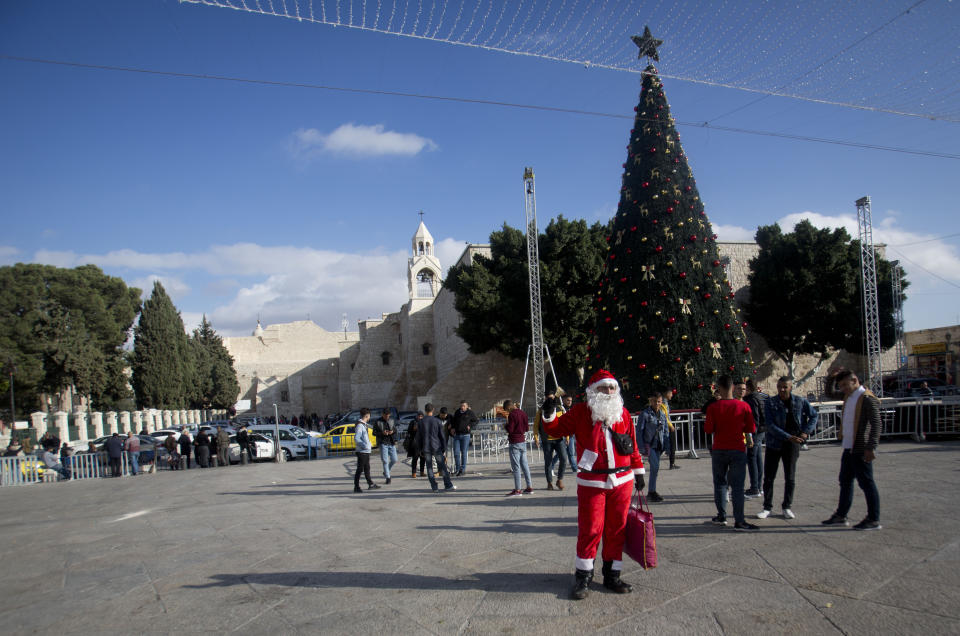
pixel 340 438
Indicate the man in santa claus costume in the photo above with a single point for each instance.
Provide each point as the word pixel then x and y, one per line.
pixel 610 464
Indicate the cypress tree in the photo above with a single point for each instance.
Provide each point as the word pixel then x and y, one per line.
pixel 161 359
pixel 216 382
pixel 665 315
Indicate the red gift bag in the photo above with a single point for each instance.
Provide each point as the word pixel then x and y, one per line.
pixel 641 544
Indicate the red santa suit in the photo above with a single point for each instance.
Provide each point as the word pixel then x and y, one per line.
pixel 605 480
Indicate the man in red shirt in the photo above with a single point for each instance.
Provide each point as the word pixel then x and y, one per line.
pixel 730 421
pixel 609 463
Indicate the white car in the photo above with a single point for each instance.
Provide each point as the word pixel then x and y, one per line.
pixel 163 433
pixel 262 447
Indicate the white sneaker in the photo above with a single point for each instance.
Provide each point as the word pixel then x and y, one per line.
pixel 763 514
pixel 788 514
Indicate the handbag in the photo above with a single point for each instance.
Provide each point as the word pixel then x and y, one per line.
pixel 641 542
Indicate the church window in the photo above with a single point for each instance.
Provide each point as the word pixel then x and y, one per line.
pixel 284 396
pixel 385 356
pixel 426 348
pixel 420 248
pixel 425 284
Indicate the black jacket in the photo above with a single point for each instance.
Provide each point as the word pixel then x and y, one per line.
pixel 430 436
pixel 380 426
pixel 463 421
pixel 114 446
pixel 756 403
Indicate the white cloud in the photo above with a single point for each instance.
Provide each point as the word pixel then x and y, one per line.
pixel 174 286
pixel 8 254
pixel 733 233
pixel 358 141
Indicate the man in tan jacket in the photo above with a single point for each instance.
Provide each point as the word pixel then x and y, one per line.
pixel 859 434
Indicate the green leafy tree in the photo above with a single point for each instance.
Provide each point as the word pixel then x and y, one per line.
pixel 65 328
pixel 493 297
pixel 665 316
pixel 162 361
pixel 806 293
pixel 216 377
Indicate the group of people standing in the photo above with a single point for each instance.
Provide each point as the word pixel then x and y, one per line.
pixel 787 421
pixel 203 447
pixel 426 442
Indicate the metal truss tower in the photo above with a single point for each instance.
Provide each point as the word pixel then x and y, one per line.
pixel 871 311
pixel 901 346
pixel 533 260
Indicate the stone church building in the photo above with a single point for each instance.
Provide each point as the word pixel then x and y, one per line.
pixel 413 356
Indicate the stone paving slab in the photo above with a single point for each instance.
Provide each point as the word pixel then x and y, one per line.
pixel 290 549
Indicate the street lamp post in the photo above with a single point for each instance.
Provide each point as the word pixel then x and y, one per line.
pixel 11 369
pixel 276 432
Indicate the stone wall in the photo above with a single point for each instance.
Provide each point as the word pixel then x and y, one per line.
pixel 80 426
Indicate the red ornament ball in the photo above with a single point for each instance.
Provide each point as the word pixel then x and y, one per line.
pixel 726 326
pixel 620 341
pixel 677 359
pixel 671 320
pixel 716 263
pixel 693 238
pixel 707 295
pixel 746 349
pixel 703 323
pixel 641 366
pixel 653 150
pixel 607 319
pixel 683 274
pixel 663 293
pixel 697 349
pixel 643 303
pixel 659 249
pixel 623 279
pixel 644 184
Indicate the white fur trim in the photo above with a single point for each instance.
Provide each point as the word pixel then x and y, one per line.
pixel 611 462
pixel 583 564
pixel 639 471
pixel 611 482
pixel 548 419
pixel 605 381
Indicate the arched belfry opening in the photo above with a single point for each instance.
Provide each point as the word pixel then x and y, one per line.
pixel 423 268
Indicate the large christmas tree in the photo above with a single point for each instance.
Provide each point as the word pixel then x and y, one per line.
pixel 665 311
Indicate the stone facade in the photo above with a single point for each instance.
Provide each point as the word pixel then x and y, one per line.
pixel 413 356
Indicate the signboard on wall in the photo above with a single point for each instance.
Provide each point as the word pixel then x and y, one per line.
pixel 928 348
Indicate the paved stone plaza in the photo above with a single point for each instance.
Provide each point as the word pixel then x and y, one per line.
pixel 290 549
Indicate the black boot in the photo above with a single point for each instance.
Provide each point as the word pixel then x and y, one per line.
pixel 612 580
pixel 581 585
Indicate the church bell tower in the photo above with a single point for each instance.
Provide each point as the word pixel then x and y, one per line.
pixel 423 268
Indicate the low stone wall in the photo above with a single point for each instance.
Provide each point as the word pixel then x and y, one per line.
pixel 77 427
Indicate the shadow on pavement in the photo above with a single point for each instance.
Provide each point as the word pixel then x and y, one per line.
pixel 520 583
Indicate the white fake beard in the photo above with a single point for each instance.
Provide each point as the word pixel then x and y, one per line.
pixel 606 408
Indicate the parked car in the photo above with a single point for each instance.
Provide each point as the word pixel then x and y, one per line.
pixel 913 387
pixel 263 448
pixel 354 416
pixel 340 438
pixel 163 433
pixel 293 440
pixel 148 446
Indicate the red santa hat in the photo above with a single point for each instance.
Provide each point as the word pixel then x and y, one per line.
pixel 601 377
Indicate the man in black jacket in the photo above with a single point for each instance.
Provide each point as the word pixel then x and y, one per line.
pixel 114 448
pixel 386 434
pixel 859 435
pixel 463 422
pixel 432 444
pixel 755 399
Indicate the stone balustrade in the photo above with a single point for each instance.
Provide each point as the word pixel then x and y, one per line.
pixel 77 427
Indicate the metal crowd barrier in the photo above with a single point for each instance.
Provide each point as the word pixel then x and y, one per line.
pixel 907 417
pixel 30 469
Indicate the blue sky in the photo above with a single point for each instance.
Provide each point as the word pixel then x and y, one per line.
pixel 285 202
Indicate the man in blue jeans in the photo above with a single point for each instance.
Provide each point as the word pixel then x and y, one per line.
pixel 729 421
pixel 462 424
pixel 653 436
pixel 433 445
pixel 387 436
pixel 516 427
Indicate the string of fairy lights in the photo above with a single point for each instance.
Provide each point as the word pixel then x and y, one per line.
pixel 894 56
